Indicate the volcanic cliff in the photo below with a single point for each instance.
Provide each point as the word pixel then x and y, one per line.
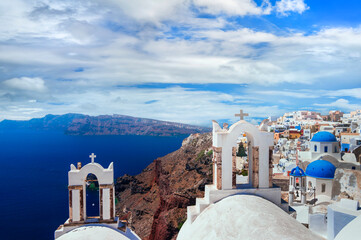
pixel 155 201
pixel 79 124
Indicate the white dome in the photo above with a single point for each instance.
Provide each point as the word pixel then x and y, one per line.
pixel 94 232
pixel 351 231
pixel 244 217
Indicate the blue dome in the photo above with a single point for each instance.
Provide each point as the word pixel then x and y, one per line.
pixel 297 172
pixel 321 169
pixel 324 137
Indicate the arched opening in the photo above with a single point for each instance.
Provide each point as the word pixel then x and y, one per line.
pixel 242 161
pixel 297 183
pixel 315 148
pixel 326 149
pixel 92 197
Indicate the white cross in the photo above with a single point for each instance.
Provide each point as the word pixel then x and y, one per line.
pixel 241 114
pixel 92 156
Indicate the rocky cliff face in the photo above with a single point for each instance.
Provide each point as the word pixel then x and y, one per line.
pixel 126 125
pixel 49 122
pixel 155 201
pixel 78 124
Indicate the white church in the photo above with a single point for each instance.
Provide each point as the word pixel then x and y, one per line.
pixel 81 226
pixel 230 210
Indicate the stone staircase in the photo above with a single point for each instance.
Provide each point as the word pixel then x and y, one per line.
pixel 201 204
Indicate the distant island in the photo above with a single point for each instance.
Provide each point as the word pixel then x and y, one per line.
pixel 79 124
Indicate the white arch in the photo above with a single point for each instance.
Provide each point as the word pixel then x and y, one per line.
pixel 242 126
pixel 77 191
pixel 78 176
pixel 227 139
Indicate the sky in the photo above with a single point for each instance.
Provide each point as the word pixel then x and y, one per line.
pixel 187 61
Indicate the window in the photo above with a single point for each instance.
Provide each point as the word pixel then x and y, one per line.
pixel 323 186
pixel 315 148
pixel 353 168
pixel 326 148
pixel 309 184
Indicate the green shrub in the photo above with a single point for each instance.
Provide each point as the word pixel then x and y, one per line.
pixel 244 172
pixel 200 155
pixel 180 223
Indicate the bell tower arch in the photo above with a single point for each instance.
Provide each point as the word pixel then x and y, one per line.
pixel 77 191
pixel 260 144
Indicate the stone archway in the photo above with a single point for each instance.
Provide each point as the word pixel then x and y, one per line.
pixel 77 191
pixel 260 155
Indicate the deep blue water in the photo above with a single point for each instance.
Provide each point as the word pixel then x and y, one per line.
pixel 34 167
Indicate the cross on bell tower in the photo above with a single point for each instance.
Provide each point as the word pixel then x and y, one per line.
pixel 92 156
pixel 241 114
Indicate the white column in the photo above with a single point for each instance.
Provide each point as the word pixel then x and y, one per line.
pixel 76 205
pixel 227 168
pixel 106 203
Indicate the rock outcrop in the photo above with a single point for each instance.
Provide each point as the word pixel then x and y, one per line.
pixel 155 201
pixel 347 184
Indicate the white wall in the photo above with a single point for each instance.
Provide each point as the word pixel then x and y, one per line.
pixel 318 224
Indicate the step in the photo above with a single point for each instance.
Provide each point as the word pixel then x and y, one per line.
pixel 201 204
pixel 191 213
pixel 207 190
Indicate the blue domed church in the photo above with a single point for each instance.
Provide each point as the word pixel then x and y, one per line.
pixel 324 143
pixel 320 174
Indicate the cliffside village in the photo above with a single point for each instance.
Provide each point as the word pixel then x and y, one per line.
pixel 320 158
pixel 294 177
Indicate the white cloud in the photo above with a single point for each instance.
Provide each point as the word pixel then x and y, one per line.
pixel 284 7
pixel 233 7
pixel 353 92
pixel 26 83
pixel 341 104
pixel 310 93
pixel 133 42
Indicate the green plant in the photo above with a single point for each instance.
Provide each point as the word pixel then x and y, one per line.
pixel 209 153
pixel 180 223
pixel 200 155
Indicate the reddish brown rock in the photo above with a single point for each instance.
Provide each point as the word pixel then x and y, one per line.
pixel 155 201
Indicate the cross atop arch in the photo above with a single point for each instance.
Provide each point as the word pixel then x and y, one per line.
pixel 92 156
pixel 241 114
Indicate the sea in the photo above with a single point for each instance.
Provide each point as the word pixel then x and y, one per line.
pixel 34 169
